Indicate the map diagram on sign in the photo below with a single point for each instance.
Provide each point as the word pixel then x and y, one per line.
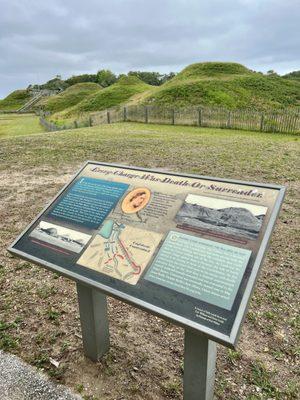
pixel 120 251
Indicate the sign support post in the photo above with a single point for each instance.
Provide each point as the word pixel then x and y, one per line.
pixel 199 366
pixel 94 321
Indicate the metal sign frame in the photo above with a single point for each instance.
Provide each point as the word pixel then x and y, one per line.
pixel 227 340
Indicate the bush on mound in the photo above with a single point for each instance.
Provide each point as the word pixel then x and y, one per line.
pixel 292 75
pixel 211 69
pixel 14 100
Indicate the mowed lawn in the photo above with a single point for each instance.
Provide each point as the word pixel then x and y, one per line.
pixel 38 309
pixel 19 124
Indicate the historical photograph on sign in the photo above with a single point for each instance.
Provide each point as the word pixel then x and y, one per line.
pixel 136 200
pixel 120 251
pixel 60 236
pixel 229 217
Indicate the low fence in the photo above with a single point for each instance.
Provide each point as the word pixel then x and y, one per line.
pixel 277 121
pixel 51 126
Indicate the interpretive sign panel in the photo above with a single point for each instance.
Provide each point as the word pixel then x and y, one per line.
pixel 185 247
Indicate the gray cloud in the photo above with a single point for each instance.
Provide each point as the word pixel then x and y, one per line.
pixel 39 40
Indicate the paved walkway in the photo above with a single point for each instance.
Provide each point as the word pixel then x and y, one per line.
pixel 19 381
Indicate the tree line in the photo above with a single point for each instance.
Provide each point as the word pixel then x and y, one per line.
pixel 105 78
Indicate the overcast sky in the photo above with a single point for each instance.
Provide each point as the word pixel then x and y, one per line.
pixel 39 39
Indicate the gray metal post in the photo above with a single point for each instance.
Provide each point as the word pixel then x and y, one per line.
pixel 94 321
pixel 199 366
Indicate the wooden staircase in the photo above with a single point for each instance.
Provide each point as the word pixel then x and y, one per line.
pixel 30 103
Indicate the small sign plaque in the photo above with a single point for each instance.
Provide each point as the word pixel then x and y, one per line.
pixel 185 247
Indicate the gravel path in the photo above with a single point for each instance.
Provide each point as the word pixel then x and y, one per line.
pixel 19 381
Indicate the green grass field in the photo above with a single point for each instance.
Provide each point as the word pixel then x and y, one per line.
pixel 19 125
pixel 220 152
pixel 38 310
